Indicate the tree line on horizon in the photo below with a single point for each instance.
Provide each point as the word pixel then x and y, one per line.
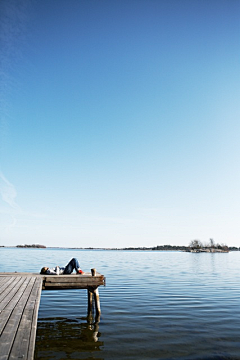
pixel 193 245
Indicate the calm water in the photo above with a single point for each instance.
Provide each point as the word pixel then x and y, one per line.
pixel 156 305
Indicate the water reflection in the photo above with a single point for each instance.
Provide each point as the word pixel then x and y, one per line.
pixel 61 338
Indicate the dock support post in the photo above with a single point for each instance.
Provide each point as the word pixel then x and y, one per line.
pixel 90 301
pixel 96 296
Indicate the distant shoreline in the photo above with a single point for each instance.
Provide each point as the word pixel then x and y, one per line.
pixel 155 248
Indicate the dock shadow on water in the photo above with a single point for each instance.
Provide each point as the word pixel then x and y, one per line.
pixel 62 338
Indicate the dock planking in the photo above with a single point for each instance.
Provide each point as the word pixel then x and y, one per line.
pixel 19 303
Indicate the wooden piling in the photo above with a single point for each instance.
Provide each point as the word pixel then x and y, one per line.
pixel 90 302
pixel 96 295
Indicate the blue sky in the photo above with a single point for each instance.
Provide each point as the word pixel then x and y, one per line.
pixel 119 122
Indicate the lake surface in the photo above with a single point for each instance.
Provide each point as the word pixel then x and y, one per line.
pixel 156 305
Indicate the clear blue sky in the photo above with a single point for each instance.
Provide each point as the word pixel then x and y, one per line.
pixel 120 122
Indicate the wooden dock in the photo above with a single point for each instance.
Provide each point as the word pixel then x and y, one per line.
pixel 19 303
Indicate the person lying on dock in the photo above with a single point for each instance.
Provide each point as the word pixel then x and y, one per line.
pixel 66 270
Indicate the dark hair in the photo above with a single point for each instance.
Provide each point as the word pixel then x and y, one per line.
pixel 43 270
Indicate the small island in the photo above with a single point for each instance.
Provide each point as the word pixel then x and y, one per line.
pixel 196 246
pixel 35 246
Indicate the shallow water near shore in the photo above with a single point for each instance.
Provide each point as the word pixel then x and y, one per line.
pixel 156 305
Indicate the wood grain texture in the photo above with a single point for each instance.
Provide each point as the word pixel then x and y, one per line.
pixel 17 321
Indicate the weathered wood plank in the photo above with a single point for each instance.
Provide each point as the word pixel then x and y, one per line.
pixel 72 281
pixel 37 294
pixel 11 291
pixel 7 284
pixel 1 281
pixel 69 287
pixel 4 274
pixel 11 328
pixel 24 341
pixel 87 281
pixel 73 278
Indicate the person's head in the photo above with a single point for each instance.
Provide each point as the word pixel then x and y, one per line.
pixel 44 270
